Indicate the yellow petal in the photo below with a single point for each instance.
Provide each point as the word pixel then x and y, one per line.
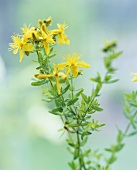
pixel 50 40
pixel 52 32
pixel 61 66
pixel 74 71
pixel 16 39
pixel 15 51
pixel 43 76
pixel 67 70
pixel 46 47
pixel 62 39
pixel 82 64
pixel 64 76
pixel 28 47
pixel 66 41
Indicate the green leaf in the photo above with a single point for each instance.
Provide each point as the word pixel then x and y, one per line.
pixel 97 108
pixel 79 93
pixel 86 133
pixel 71 110
pixel 84 141
pixel 107 62
pixel 133 104
pixel 85 98
pixel 119 136
pixel 101 125
pixel 73 125
pixel 119 147
pixel 51 56
pixel 38 68
pixel 97 79
pixel 39 83
pixel 40 58
pixel 71 102
pixel 115 55
pixel 56 111
pixel 132 121
pixel 86 153
pixel 72 88
pixel 132 133
pixel 112 70
pixel 73 165
pixel 65 90
pixel 112 81
pixel 76 153
pixel 57 102
pixel 107 78
pixel 111 159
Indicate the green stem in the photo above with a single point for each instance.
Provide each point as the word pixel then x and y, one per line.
pixel 124 135
pixel 78 141
pixel 128 126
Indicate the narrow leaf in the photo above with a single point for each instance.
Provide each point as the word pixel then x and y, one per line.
pixel 132 133
pixel 56 111
pixel 96 108
pixel 39 83
pixel 71 102
pixel 84 97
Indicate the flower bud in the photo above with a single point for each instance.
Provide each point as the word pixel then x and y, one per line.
pixel 34 36
pixel 40 22
pixel 27 53
pixel 109 46
pixel 44 28
pixel 48 21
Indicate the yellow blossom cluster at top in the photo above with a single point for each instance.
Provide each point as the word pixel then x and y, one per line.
pixel 37 39
pixel 38 36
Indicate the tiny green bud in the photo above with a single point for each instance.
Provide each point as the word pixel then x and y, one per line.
pixel 109 46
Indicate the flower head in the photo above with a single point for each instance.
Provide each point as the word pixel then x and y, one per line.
pixel 73 64
pixel 46 40
pixel 62 38
pixel 30 33
pixel 20 45
pixel 55 74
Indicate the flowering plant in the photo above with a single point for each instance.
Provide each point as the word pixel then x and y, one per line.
pixel 75 108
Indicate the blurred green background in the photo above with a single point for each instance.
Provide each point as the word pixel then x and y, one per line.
pixel 29 137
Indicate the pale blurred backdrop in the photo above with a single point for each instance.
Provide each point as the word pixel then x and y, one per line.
pixel 29 137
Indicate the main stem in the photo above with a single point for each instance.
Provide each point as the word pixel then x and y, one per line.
pixel 77 133
pixel 79 157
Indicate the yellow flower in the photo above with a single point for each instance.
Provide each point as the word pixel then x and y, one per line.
pixel 20 45
pixel 30 33
pixel 135 77
pixel 46 40
pixel 62 38
pixel 25 28
pixel 55 74
pixel 73 64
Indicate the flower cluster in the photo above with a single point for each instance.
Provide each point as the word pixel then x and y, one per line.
pixel 34 38
pixel 40 40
